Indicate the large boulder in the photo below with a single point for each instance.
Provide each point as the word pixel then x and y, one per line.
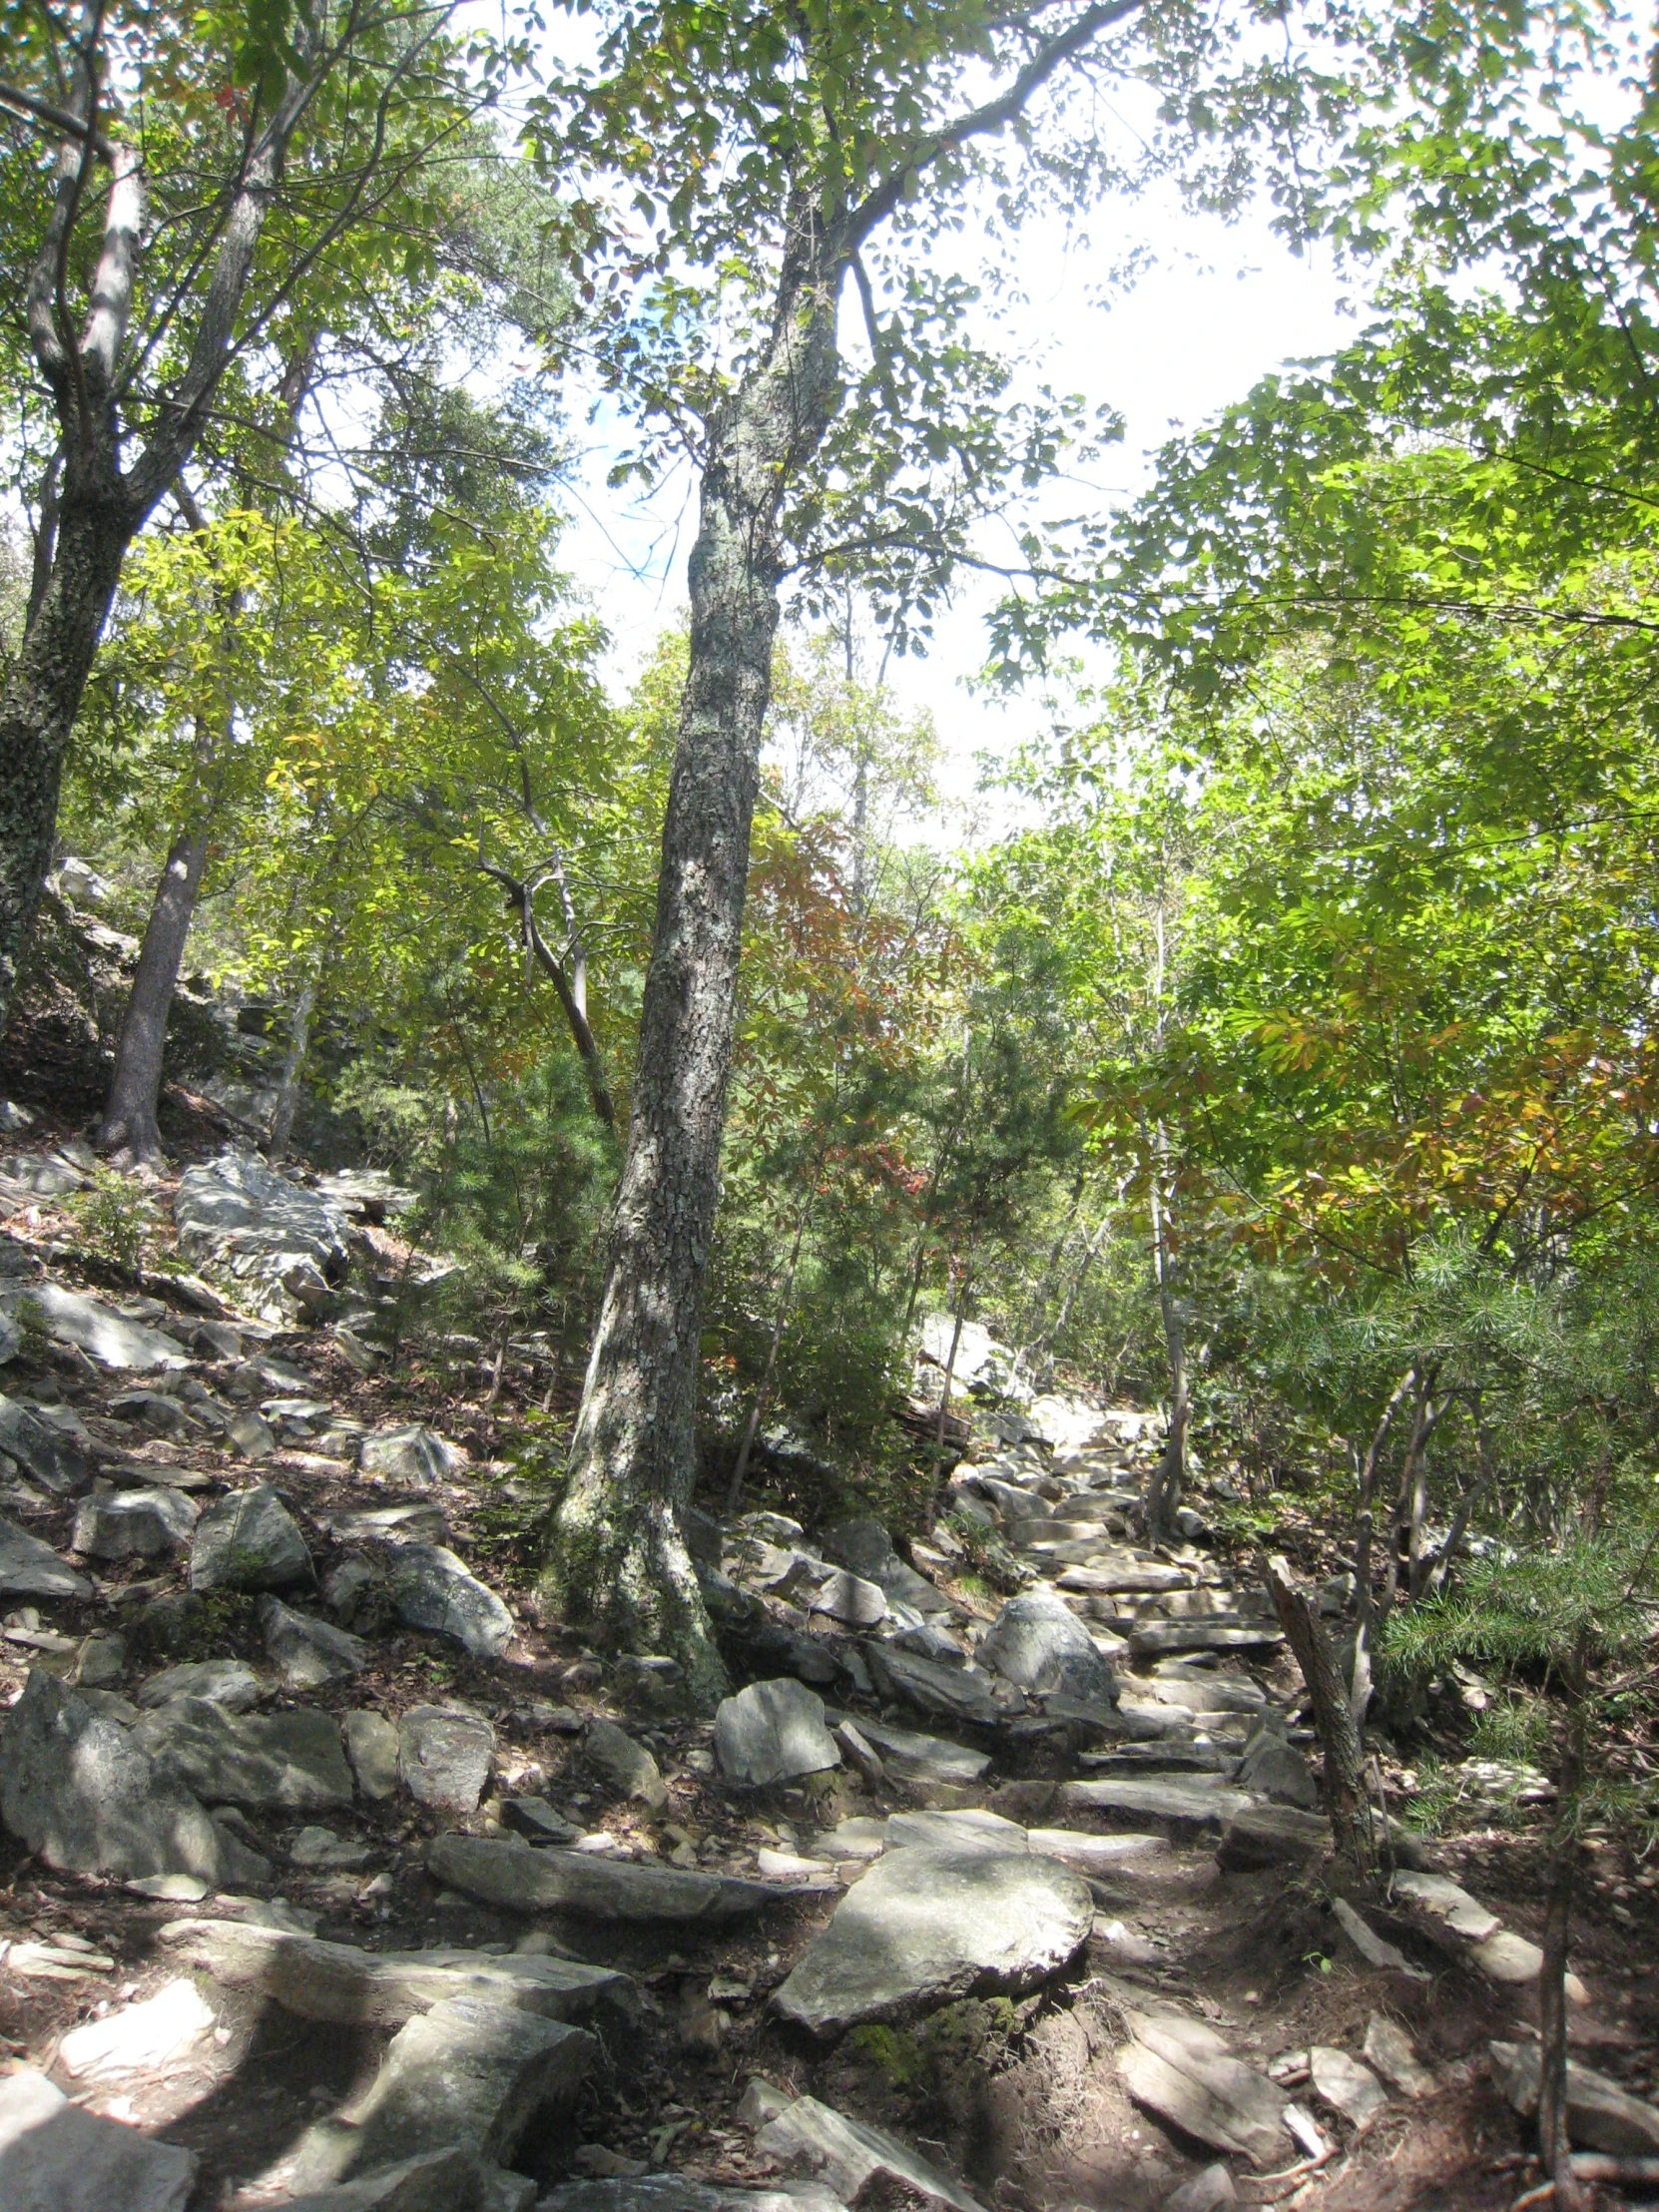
pixel 309 1653
pixel 71 1317
pixel 47 1454
pixel 444 1756
pixel 432 1588
pixel 926 1927
pixel 772 1732
pixel 1039 1643
pixel 289 1762
pixel 134 1525
pixel 84 1793
pixel 266 1230
pixel 56 2158
pixel 248 1540
pixel 415 1454
pixel 865 1546
pixel 29 1568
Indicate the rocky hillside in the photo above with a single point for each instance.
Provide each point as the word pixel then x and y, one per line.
pixel 335 1877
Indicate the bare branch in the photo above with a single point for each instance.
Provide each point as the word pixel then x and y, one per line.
pixel 61 121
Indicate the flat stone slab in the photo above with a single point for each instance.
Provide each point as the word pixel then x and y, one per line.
pixel 522 1880
pixel 56 2158
pixel 932 1686
pixel 1273 1835
pixel 277 1761
pixel 248 1540
pixel 227 1682
pixel 914 1757
pixel 1194 1798
pixel 448 2180
pixel 84 1795
pixel 1346 2086
pixel 29 1568
pixel 849 2155
pixel 967 1830
pixel 1391 2053
pixel 926 1927
pixel 467 2072
pixel 382 1989
pixel 1600 2115
pixel 1095 1854
pixel 139 2039
pixel 1182 2069
pixel 89 1325
pixel 680 2193
pixel 772 1732
pixel 1127 1578
pixel 415 1454
pixel 432 1588
pixel 1149 1639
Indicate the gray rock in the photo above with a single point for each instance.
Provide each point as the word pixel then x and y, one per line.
pixel 912 1756
pixel 1209 2190
pixel 29 1568
pixel 1392 2055
pixel 415 1454
pixel 444 1756
pixel 134 1525
pixel 468 2071
pixel 371 1747
pixel 849 2156
pixel 248 1540
pixel 847 1597
pixel 1194 1798
pixel 85 1796
pixel 338 1983
pixel 1272 1836
pixel 102 1661
pixel 251 1435
pixel 680 2193
pixel 511 1875
pixel 417 1523
pixel 1221 1632
pixel 926 1927
pixel 1600 2115
pixel 627 1766
pixel 356 1593
pixel 1440 1894
pixel 865 1547
pixel 970 1829
pixel 227 1682
pixel 947 1693
pixel 307 1653
pixel 536 1821
pixel 137 2038
pixel 54 1459
pixel 321 1848
pixel 1039 1644
pixel 772 1732
pixel 236 1208
pixel 1346 2086
pixel 56 2158
pixel 1181 2069
pixel 1371 1947
pixel 1274 1769
pixel 277 1761
pixel 71 1318
pixel 430 1588
pixel 449 2180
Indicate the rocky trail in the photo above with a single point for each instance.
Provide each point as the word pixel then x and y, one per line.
pixel 332 1875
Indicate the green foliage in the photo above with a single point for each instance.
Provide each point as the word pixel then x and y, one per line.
pixel 118 1219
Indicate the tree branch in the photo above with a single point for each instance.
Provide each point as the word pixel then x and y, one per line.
pixel 63 121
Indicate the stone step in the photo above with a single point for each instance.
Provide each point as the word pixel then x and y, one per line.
pixel 1232 1632
pixel 1195 1799
pixel 336 1981
pixel 521 1880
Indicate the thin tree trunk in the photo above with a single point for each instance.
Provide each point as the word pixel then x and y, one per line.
pixel 1345 1800
pixel 129 1125
pixel 293 1061
pixel 1360 1677
pixel 945 1393
pixel 1163 1492
pixel 618 1560
pixel 1554 2147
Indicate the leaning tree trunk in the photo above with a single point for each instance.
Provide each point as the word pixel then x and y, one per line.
pixel 42 696
pixel 129 1125
pixel 618 1563
pixel 1346 1798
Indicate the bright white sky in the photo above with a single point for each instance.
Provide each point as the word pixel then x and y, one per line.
pixel 1223 305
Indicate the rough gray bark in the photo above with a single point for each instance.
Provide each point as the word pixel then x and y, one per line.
pixel 1346 1799
pixel 1359 1679
pixel 619 1561
pixel 129 1126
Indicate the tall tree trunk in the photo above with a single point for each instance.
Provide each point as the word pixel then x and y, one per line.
pixel 618 1561
pixel 1360 1675
pixel 42 694
pixel 128 1123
